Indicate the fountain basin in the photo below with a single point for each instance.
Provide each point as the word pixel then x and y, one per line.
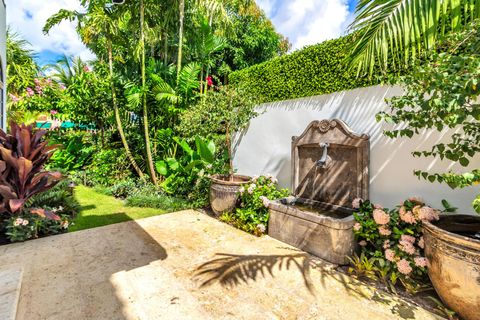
pixel 321 230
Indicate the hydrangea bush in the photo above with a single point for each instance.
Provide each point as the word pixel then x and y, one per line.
pixel 393 240
pixel 252 215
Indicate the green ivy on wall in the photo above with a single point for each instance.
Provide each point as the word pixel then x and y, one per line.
pixel 314 70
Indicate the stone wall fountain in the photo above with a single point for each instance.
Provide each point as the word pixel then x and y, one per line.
pixel 329 170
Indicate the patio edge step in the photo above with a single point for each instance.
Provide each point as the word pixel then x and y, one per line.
pixel 10 285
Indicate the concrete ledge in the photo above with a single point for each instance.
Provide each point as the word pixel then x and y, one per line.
pixel 10 284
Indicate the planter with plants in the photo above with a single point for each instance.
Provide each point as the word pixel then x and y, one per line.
pixel 23 154
pixel 252 215
pixel 221 114
pixel 443 93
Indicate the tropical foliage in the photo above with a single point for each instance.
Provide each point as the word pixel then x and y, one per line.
pixel 397 32
pixel 441 94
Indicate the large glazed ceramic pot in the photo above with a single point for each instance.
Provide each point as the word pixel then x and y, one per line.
pixel 224 192
pixel 455 262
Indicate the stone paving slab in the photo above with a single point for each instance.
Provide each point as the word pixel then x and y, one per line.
pixel 10 284
pixel 186 265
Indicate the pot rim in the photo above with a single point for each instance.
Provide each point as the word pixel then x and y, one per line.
pixel 216 179
pixel 447 235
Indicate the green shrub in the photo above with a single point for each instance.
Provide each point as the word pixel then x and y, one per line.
pixel 252 216
pixel 108 167
pixel 163 202
pixel 314 70
pixel 59 196
pixel 76 151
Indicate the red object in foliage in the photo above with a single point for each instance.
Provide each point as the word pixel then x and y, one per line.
pixel 209 81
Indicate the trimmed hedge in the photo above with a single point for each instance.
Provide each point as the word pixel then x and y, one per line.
pixel 314 70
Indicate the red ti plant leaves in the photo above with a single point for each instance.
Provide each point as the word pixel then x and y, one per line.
pixel 23 155
pixel 45 214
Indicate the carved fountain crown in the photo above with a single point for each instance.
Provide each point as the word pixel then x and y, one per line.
pixel 341 175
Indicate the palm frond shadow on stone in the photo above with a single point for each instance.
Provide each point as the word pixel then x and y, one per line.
pixel 232 269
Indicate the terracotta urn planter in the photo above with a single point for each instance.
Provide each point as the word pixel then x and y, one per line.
pixel 224 192
pixel 454 256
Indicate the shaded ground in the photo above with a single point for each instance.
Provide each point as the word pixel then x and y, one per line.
pixel 100 210
pixel 186 265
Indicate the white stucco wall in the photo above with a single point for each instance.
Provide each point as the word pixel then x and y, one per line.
pixel 3 59
pixel 265 146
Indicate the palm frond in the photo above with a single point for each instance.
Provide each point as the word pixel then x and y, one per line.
pixel 188 79
pixel 398 31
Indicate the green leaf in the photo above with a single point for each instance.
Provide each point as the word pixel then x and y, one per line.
pixel 161 167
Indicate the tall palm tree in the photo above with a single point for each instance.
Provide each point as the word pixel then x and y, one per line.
pixel 98 21
pixel 151 167
pixel 400 30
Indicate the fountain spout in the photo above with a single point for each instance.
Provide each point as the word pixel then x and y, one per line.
pixel 323 160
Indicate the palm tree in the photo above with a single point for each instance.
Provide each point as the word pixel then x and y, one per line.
pixel 401 30
pixel 151 167
pixel 98 21
pixel 21 67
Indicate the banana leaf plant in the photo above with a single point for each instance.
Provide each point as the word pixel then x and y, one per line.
pixel 23 154
pixel 192 162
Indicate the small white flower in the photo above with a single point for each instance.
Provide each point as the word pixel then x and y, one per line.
pixel 18 222
pixel 241 190
pixel 209 166
pixel 265 201
pixel 254 178
pixel 201 173
pixel 261 227
pixel 60 208
pixel 251 188
pixel 65 224
pixel 25 222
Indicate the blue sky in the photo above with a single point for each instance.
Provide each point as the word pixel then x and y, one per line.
pixel 304 22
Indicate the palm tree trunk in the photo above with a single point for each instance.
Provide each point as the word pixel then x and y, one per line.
pixel 117 115
pixel 180 35
pixel 151 168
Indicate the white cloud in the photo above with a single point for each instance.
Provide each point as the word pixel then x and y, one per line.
pixel 27 17
pixel 307 22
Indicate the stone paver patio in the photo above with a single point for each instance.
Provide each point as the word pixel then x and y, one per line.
pixel 186 265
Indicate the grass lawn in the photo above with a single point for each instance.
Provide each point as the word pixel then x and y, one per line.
pixel 99 210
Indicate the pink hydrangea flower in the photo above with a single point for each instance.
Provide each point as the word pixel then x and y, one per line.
pixel 421 243
pixel 381 217
pixel 53 112
pixel 241 190
pixel 356 203
pixel 363 243
pixel 357 226
pixel 390 255
pixel 416 200
pixel 421 262
pixel 378 206
pixel 407 216
pixel 86 69
pixel 406 247
pixel 386 244
pixel 404 267
pixel 384 231
pixel 428 214
pixel 407 238
pixel 251 188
